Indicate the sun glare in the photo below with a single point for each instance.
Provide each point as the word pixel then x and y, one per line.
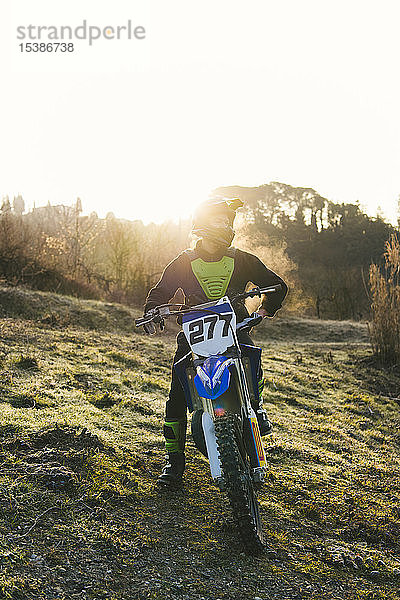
pixel 173 204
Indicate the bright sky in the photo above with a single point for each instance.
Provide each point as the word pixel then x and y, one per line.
pixel 221 92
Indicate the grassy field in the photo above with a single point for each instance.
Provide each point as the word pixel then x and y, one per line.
pixel 81 405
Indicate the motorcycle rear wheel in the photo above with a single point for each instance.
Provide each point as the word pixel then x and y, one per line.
pixel 239 485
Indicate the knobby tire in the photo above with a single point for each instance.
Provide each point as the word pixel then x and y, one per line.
pixel 239 485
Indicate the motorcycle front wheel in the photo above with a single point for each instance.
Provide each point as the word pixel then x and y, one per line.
pixel 239 484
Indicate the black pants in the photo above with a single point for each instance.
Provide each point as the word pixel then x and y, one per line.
pixel 175 409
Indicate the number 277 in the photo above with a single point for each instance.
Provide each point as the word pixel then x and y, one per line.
pixel 196 328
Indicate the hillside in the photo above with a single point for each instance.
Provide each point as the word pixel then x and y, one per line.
pixel 82 396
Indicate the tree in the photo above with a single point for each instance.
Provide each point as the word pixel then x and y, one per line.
pixel 5 205
pixel 18 205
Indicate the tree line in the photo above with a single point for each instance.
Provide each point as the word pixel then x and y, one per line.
pixel 57 248
pixel 324 249
pixel 330 245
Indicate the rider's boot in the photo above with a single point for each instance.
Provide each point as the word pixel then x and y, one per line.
pixel 264 424
pixel 175 438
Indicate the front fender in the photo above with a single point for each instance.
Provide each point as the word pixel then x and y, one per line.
pixel 213 377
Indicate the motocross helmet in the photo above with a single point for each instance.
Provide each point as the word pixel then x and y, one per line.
pixel 206 213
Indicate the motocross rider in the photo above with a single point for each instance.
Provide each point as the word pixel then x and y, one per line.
pixel 212 270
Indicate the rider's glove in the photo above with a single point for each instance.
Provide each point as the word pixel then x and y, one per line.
pixel 151 327
pixel 264 313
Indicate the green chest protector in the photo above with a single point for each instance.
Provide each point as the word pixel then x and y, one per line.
pixel 213 277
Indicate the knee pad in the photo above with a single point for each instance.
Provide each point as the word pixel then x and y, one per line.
pixel 175 435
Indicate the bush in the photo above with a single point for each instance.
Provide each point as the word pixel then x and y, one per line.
pixel 385 288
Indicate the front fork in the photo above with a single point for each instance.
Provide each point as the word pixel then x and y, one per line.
pixel 255 447
pixel 211 443
pixel 252 437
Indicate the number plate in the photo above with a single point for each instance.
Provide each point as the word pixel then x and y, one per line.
pixel 212 330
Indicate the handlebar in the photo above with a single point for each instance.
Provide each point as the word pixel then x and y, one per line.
pixel 157 314
pixel 257 291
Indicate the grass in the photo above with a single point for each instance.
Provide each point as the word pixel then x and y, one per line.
pixel 80 446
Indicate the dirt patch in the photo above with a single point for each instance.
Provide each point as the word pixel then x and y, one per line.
pixel 103 399
pixel 67 438
pixel 56 458
pixel 375 378
pixel 291 329
pixel 27 363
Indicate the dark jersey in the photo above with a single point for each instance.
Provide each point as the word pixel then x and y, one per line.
pixel 246 267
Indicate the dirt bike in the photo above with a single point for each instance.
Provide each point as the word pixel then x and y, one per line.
pixel 219 378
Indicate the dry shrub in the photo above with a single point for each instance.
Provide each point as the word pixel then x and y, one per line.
pixel 385 288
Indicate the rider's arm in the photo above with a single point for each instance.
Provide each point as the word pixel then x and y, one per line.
pixel 261 276
pixel 169 282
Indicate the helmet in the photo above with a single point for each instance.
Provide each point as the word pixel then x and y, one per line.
pixel 203 219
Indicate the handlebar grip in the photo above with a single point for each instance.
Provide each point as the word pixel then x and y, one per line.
pixel 271 289
pixel 140 322
pixel 151 318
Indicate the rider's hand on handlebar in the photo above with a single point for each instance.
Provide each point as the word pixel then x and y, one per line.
pixel 157 322
pixel 262 312
pixel 149 328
